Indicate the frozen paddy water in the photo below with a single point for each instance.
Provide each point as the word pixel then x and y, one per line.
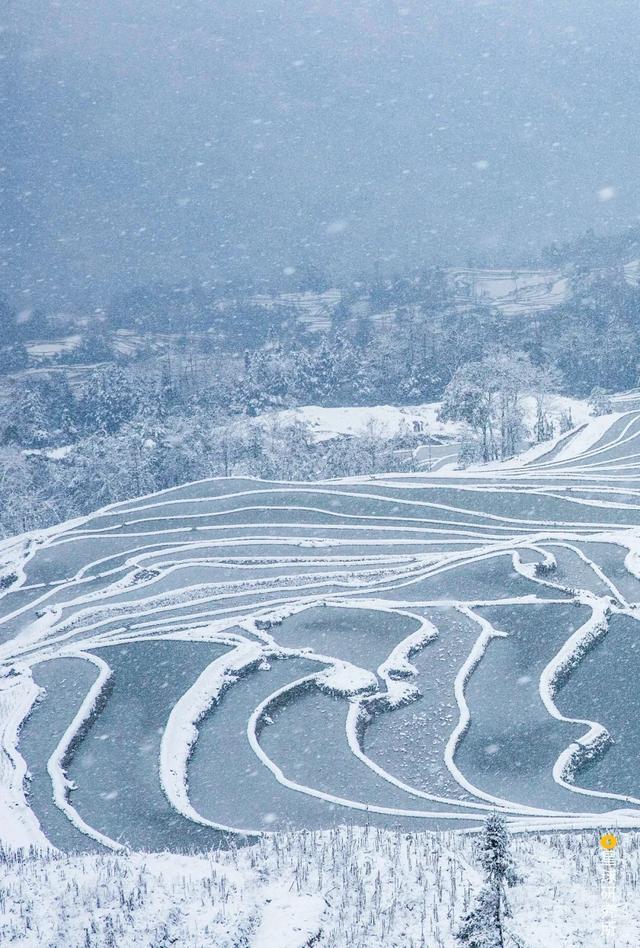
pixel 238 657
pixel 118 788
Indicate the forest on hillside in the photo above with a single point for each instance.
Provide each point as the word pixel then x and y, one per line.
pixel 93 423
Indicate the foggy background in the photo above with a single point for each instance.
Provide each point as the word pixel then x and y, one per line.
pixel 214 139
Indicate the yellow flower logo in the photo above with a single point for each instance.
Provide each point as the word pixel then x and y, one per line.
pixel 608 841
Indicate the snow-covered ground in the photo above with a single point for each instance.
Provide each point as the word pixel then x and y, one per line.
pixel 362 888
pixel 52 454
pixel 389 420
pixel 381 420
pixel 48 349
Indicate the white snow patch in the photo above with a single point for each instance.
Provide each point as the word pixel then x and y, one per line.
pixel 19 825
pixel 383 420
pixel 343 678
pixel 588 438
pixel 289 921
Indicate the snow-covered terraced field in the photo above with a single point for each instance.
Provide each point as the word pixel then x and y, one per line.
pixel 513 292
pixel 236 657
pixel 522 292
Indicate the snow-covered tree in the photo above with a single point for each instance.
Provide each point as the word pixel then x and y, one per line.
pixel 483 927
pixel 600 401
pixel 566 421
pixel 470 396
pixel 488 396
pixel 546 382
pixel 108 401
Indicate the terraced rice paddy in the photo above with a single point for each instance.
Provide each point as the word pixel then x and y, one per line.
pixel 236 657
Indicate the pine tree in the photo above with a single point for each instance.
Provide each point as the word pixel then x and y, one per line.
pixel 566 421
pixel 482 927
pixel 256 398
pixel 323 378
pixel 108 401
pixel 493 852
pixel 31 413
pixel 345 367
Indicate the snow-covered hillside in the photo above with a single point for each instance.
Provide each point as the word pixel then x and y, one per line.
pixel 389 420
pixel 517 291
pixel 513 292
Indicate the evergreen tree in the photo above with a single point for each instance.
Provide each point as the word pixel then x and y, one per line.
pixel 277 376
pixel 493 852
pixel 256 396
pixel 322 378
pixel 566 421
pixel 108 401
pixel 30 415
pixel 345 368
pixel 483 927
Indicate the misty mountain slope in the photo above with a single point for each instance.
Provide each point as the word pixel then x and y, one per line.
pixel 206 141
pixel 236 656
